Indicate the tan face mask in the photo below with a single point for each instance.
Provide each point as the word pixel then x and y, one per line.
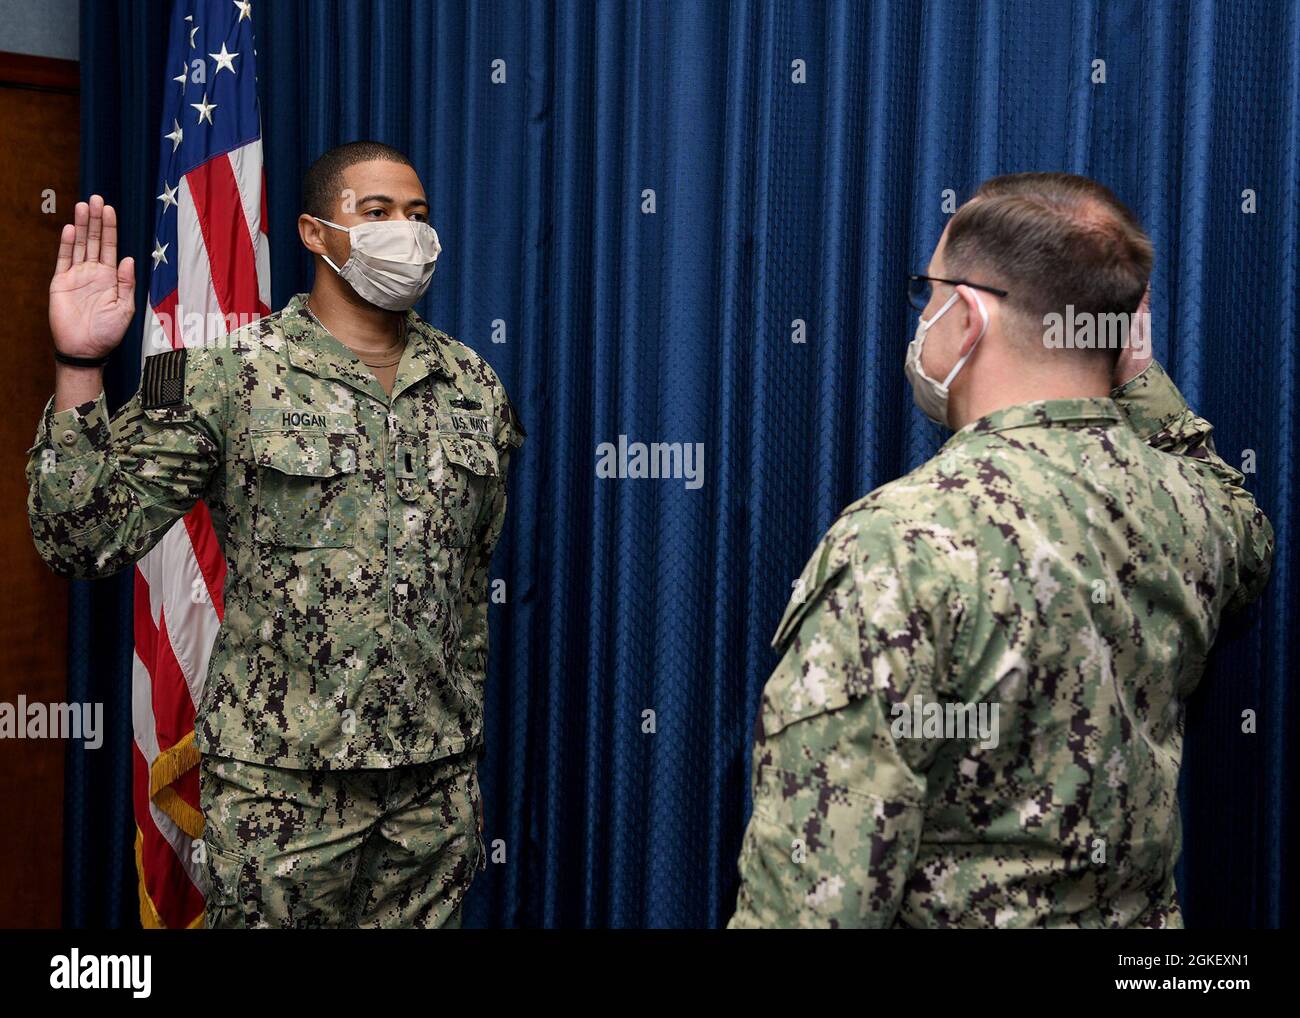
pixel 931 396
pixel 392 261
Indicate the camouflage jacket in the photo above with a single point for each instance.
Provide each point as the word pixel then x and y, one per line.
pixel 356 527
pixel 1067 561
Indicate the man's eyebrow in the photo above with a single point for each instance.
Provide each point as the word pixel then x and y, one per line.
pixel 389 201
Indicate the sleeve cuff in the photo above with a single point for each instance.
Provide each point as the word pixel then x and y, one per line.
pixel 77 431
pixel 1150 401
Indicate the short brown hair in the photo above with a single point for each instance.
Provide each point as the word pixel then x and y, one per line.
pixel 1052 239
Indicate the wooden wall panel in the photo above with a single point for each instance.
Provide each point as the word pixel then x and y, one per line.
pixel 39 137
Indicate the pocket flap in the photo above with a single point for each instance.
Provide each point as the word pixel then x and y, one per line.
pixel 475 456
pixel 797 691
pixel 793 696
pixel 306 453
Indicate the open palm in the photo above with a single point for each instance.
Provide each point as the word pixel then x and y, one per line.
pixel 92 297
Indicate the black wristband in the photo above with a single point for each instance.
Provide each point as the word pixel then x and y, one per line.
pixel 80 362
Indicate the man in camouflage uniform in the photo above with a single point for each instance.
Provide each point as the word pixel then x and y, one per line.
pixel 1065 558
pixel 353 459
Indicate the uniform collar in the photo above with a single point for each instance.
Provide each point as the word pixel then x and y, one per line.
pixel 1044 413
pixel 312 348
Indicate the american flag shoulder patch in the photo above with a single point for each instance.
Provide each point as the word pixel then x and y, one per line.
pixel 163 383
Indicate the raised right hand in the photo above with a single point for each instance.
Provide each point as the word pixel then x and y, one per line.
pixel 92 297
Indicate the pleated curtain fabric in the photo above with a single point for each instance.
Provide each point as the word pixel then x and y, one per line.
pixel 691 222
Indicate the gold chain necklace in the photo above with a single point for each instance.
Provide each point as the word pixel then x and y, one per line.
pixel 387 358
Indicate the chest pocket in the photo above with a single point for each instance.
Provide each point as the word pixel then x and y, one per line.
pixel 464 471
pixel 306 489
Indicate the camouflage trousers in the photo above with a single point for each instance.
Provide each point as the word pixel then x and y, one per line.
pixel 347 848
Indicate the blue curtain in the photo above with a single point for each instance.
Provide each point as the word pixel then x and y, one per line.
pixel 759 309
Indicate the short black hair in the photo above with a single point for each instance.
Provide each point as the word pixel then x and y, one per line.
pixel 322 184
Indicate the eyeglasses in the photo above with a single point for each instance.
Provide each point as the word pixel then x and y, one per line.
pixel 919 289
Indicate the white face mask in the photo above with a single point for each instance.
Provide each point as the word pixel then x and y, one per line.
pixel 931 396
pixel 392 260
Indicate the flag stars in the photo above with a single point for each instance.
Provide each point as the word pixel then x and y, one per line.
pixel 193 32
pixel 245 10
pixel 224 59
pixel 176 135
pixel 205 109
pixel 180 78
pixel 159 252
pixel 168 197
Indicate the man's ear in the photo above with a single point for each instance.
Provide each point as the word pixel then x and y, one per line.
pixel 312 234
pixel 975 319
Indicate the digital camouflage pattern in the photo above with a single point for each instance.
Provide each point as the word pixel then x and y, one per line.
pixel 1055 559
pixel 357 530
pixel 295 849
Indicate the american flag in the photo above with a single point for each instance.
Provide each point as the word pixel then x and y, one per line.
pixel 210 274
